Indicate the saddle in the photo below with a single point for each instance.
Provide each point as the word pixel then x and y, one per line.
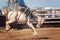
pixel 22 19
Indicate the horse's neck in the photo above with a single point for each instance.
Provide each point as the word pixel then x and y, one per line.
pixel 9 14
pixel 6 17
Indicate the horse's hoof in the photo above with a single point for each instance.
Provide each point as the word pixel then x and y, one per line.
pixel 37 26
pixel 35 33
pixel 7 30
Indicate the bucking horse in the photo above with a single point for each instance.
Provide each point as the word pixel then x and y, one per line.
pixel 22 16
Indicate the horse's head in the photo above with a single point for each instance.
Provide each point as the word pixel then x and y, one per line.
pixel 5 10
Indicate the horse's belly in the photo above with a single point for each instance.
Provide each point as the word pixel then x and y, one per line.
pixel 22 20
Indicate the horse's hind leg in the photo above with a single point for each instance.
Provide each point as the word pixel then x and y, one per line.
pixel 32 27
pixel 40 21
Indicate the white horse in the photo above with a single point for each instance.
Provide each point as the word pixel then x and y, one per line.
pixel 15 14
pixel 21 18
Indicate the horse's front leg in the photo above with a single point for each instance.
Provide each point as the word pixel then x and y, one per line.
pixel 7 26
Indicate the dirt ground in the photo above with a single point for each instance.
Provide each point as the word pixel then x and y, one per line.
pixel 26 34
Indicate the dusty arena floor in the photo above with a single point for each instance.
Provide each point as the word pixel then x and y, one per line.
pixel 26 34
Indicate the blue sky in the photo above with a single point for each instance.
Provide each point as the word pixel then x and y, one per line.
pixel 35 3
